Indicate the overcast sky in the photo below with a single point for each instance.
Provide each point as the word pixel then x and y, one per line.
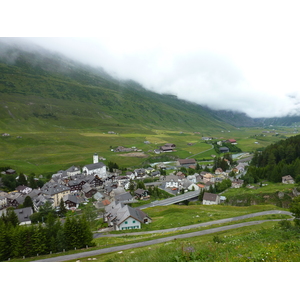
pixel 239 55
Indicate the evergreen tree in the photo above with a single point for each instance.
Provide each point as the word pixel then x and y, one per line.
pixel 28 202
pixel 60 240
pixel 295 210
pixel 131 186
pixel 22 180
pixel 11 217
pixel 39 240
pixel 5 241
pixel 9 181
pixel 32 182
pixel 201 194
pixel 62 208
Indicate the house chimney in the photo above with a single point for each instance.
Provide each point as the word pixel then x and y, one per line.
pixel 95 158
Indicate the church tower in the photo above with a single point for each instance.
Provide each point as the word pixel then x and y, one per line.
pixel 95 158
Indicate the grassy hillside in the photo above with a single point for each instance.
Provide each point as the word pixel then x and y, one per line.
pixel 47 90
pixel 63 111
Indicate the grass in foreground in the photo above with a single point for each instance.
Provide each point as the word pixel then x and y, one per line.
pixel 260 243
pixel 181 215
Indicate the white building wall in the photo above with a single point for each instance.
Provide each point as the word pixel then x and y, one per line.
pixel 206 202
pixel 131 224
pixel 101 172
pixel 171 184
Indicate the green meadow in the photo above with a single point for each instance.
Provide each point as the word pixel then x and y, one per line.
pixel 265 242
pixel 44 150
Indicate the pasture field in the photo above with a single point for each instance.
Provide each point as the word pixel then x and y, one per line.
pixel 171 216
pixel 44 150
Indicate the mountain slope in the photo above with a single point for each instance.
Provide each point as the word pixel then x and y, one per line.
pixel 46 89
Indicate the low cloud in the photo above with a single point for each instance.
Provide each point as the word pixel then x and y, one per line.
pixel 207 77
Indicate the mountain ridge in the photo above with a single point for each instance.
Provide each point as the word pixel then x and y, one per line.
pixel 44 87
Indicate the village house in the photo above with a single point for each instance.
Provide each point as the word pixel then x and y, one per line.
pixel 96 168
pixel 72 171
pixel 40 201
pixel 98 196
pixel 23 215
pixel 231 141
pixel 125 198
pixel 180 175
pixel 237 183
pixel 208 178
pixel 193 178
pixel 161 165
pixel 208 185
pixel 130 175
pixel 55 191
pixel 140 173
pixel 288 179
pixel 184 184
pixel 155 174
pixel 123 149
pixel 76 184
pixel 218 171
pixel 141 194
pixel 3 201
pixel 94 180
pixel 10 171
pixel 223 149
pixel 124 217
pixel 186 162
pixel 193 187
pixel 23 189
pixel 171 181
pixel 167 147
pixel 88 190
pixel 117 191
pixel 13 199
pixel 72 201
pixel 149 170
pixel 210 199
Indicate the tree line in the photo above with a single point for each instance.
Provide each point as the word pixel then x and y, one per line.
pixel 275 161
pixel 51 237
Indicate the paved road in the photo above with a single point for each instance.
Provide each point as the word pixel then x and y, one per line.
pixel 167 239
pixel 187 227
pixel 212 147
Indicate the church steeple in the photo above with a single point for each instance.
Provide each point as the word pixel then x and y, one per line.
pixel 95 158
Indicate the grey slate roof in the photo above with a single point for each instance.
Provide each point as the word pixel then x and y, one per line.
pixel 24 214
pixel 123 197
pixel 95 166
pixel 73 169
pixel 52 189
pixel 210 197
pixel 127 212
pixel 73 198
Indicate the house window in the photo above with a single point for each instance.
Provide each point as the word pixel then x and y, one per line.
pixel 133 221
pixel 126 222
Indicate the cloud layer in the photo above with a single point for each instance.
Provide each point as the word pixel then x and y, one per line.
pixel 238 55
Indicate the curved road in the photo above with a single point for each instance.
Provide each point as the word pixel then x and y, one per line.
pixel 187 227
pixel 167 239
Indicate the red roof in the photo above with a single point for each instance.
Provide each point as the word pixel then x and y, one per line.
pixel 105 202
